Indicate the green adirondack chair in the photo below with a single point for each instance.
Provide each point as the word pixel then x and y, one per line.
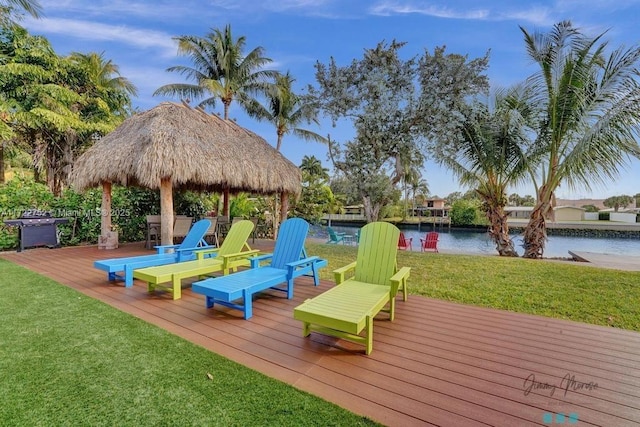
pixel 348 309
pixel 233 253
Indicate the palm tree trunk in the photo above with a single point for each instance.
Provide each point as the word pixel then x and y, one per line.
pixel 499 232
pixel 535 233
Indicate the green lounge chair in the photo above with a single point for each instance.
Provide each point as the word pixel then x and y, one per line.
pixel 232 254
pixel 349 308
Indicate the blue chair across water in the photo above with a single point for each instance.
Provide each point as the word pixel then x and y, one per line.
pixel 337 237
pixel 287 262
pixel 122 268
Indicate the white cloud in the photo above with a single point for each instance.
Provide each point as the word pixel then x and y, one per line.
pixel 388 8
pixel 88 30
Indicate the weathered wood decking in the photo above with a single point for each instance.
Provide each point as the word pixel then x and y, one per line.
pixel 438 363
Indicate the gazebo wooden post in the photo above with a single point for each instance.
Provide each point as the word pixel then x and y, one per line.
pixel 108 239
pixel 284 205
pixel 166 211
pixel 225 202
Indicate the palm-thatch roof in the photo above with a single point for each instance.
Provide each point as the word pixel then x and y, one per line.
pixel 193 149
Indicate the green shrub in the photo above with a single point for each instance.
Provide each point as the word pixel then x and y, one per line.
pixel 604 216
pixel 463 213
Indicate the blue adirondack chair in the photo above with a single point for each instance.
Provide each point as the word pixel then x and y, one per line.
pixel 287 262
pixel 337 237
pixel 166 254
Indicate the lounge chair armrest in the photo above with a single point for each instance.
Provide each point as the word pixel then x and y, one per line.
pixel 339 274
pixel 164 248
pixel 302 261
pixel 245 254
pixel 202 253
pixel 399 278
pixel 255 261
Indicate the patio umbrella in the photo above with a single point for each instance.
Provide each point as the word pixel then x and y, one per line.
pixel 174 146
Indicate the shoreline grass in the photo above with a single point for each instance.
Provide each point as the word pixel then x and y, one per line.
pixel 563 290
pixel 67 359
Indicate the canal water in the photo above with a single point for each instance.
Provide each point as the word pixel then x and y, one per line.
pixel 473 242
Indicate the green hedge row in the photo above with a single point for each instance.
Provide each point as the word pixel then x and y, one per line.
pixel 130 206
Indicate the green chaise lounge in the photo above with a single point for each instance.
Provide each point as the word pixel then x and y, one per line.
pixel 350 307
pixel 233 253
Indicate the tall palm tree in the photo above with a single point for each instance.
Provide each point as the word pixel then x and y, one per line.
pixel 286 110
pixel 490 158
pixel 590 105
pixel 104 80
pixel 220 71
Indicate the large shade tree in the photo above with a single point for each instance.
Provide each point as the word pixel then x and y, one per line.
pixel 589 97
pixel 391 104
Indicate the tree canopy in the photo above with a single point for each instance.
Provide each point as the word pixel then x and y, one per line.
pixel 394 107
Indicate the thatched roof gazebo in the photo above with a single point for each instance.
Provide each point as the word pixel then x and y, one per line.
pixel 174 146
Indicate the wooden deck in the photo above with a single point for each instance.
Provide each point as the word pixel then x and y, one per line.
pixel 438 363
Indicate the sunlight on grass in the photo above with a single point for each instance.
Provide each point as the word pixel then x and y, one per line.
pixel 564 290
pixel 67 359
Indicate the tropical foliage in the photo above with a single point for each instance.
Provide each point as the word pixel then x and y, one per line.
pixel 392 115
pixel 286 110
pixel 56 106
pixel 316 198
pixel 589 104
pixel 487 155
pixel 617 202
pixel 220 70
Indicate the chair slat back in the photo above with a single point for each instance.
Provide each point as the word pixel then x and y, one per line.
pixel 290 242
pixel 377 252
pixel 237 237
pixel 195 234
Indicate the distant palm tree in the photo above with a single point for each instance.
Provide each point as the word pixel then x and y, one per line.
pixel 313 167
pixel 420 188
pixel 286 110
pixel 220 70
pixel 590 116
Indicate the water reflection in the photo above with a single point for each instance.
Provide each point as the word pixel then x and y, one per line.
pixel 557 246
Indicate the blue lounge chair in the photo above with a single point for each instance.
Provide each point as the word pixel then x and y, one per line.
pixel 167 254
pixel 288 261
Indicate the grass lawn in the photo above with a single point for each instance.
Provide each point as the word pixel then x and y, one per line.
pixel 564 290
pixel 67 359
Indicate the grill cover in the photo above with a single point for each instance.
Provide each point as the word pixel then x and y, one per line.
pixel 37 228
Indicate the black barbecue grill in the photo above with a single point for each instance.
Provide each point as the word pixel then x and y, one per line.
pixel 37 228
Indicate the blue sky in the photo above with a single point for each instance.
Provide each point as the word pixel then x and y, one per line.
pixel 137 35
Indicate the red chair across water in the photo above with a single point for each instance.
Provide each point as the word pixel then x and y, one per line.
pixel 404 243
pixel 430 242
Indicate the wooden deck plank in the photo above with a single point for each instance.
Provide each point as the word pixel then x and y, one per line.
pixel 438 363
